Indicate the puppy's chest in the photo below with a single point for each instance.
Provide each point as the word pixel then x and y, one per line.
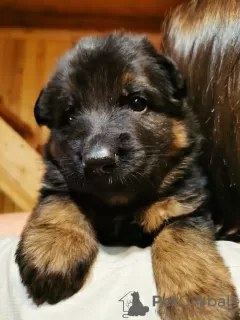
pixel 121 230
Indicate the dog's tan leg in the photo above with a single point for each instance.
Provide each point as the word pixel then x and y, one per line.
pixel 56 250
pixel 190 273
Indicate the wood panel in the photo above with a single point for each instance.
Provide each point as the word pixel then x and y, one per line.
pixel 143 8
pixel 21 168
pixel 101 15
pixel 70 36
pixel 7 205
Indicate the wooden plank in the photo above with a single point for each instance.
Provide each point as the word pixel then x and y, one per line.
pixel 43 34
pixel 8 205
pixel 15 70
pixel 21 168
pixel 11 71
pixel 70 36
pixel 75 21
pixel 32 80
pixel 15 122
pixel 54 50
pixel 5 68
pixel 2 196
pixel 126 8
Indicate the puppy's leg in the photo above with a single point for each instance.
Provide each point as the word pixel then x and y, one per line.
pixel 190 272
pixel 56 250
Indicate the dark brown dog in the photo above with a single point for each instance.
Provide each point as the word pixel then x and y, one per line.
pixel 201 37
pixel 121 170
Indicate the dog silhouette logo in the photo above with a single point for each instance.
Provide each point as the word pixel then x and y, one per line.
pixel 132 305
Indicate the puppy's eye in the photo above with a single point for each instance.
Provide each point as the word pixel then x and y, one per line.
pixel 69 109
pixel 67 115
pixel 138 104
pixel 70 101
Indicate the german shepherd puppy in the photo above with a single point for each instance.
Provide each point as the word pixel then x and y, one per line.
pixel 121 169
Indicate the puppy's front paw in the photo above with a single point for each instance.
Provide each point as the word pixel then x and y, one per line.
pixel 191 276
pixel 54 265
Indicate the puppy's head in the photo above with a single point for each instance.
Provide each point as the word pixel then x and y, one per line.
pixel 118 121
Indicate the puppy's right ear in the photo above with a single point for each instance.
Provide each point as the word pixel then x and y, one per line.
pixel 41 110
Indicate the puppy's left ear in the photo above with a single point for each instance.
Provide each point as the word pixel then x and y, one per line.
pixel 41 111
pixel 175 77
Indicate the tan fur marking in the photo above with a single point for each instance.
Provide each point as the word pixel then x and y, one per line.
pixel 176 173
pixel 52 148
pixel 161 211
pixel 63 233
pixel 115 200
pixel 180 135
pixel 187 264
pixel 128 77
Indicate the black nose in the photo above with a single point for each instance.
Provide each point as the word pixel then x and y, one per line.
pixel 99 159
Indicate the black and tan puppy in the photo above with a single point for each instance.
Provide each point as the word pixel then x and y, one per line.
pixel 121 170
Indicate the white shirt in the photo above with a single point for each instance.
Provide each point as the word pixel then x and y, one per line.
pixel 117 273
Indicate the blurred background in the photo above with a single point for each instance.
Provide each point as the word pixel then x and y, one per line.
pixel 33 34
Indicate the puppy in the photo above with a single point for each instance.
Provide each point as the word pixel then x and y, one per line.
pixel 121 169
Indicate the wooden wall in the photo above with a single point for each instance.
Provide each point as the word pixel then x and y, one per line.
pixel 141 15
pixel 26 60
pixel 6 205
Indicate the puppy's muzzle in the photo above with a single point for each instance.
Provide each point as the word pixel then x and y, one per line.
pixel 99 159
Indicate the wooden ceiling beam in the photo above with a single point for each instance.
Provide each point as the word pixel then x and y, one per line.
pixel 73 21
pixel 124 8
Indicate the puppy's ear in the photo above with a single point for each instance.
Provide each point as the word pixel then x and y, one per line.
pixel 41 111
pixel 175 77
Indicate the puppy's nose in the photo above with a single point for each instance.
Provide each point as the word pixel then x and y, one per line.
pixel 99 159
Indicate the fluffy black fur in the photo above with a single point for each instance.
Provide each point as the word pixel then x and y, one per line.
pixel 86 103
